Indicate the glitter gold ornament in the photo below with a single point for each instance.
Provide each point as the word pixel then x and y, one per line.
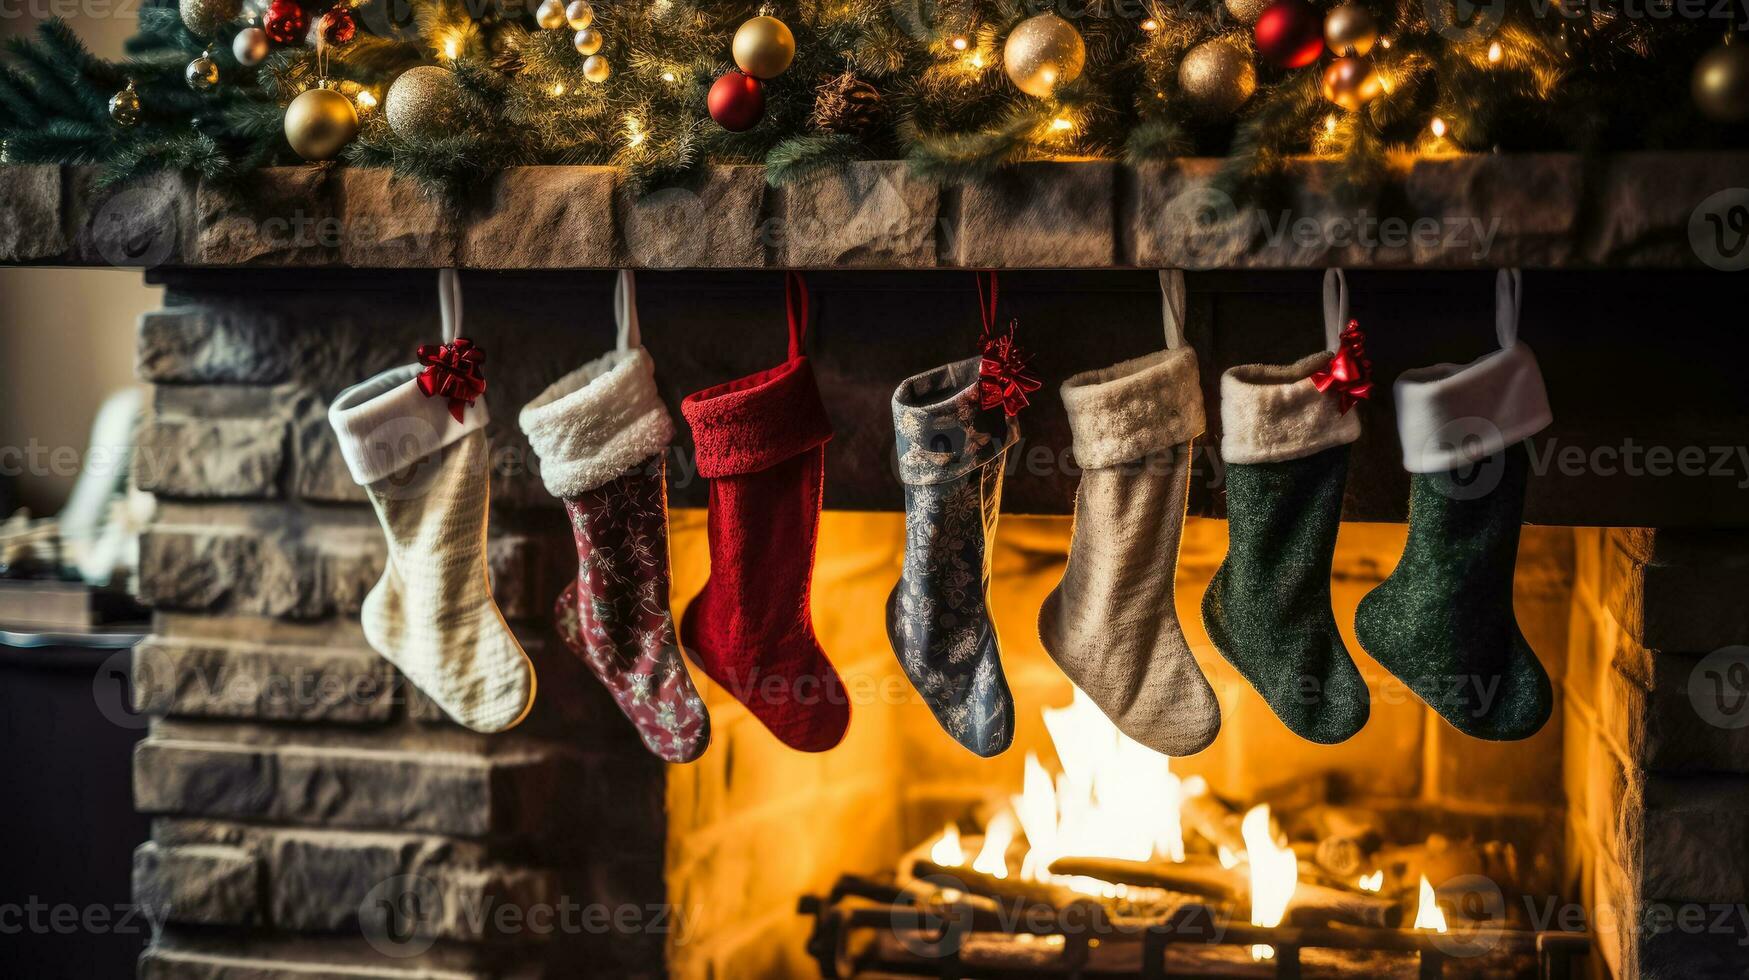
pixel 203 18
pixel 1721 83
pixel 550 14
pixel 1043 52
pixel 1246 11
pixel 250 46
pixel 422 102
pixel 1351 82
pixel 587 41
pixel 124 106
pixel 1350 29
pixel 764 47
pixel 1217 76
pixel 319 122
pixel 202 74
pixel 579 14
pixel 596 68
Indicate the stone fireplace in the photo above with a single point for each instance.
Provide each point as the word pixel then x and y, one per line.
pixel 314 815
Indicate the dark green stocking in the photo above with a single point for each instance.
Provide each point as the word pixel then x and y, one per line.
pixel 1442 623
pixel 1268 608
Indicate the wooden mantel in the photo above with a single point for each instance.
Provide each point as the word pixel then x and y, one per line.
pixel 1546 211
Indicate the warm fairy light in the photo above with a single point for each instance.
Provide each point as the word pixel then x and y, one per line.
pixel 1495 53
pixel 1330 123
pixel 960 44
pixel 634 130
pixel 1150 25
pixel 1429 915
pixel 365 99
pixel 558 89
pixel 1385 42
pixel 1373 882
pixel 946 851
pixel 1274 870
pixel 976 61
pixel 452 47
pixel 1437 127
pixel 1061 125
pixel 669 76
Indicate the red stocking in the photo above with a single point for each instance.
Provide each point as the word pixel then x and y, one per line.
pixel 761 442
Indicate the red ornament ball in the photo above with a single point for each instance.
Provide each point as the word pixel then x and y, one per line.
pixel 1290 33
pixel 736 101
pixel 338 24
pixel 286 22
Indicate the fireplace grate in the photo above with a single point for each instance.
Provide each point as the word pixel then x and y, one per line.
pixel 871 928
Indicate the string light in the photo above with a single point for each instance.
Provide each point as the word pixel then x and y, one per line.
pixel 558 89
pixel 1495 53
pixel 1330 123
pixel 452 47
pixel 669 76
pixel 1437 127
pixel 1150 25
pixel 960 44
pixel 366 100
pixel 634 131
pixel 1061 125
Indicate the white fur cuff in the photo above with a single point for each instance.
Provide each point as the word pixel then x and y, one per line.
pixel 597 423
pixel 386 424
pixel 1273 412
pixel 1126 411
pixel 1452 415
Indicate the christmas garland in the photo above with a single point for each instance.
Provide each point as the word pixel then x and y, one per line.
pixel 452 91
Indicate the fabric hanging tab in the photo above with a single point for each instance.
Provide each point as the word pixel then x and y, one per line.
pixel 449 300
pixel 625 310
pixel 1172 306
pixel 796 307
pixel 1508 300
pixel 1335 308
pixel 987 300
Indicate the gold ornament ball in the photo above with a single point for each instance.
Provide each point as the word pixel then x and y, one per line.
pixel 124 106
pixel 596 68
pixel 1351 82
pixel 422 102
pixel 319 122
pixel 1350 30
pixel 1043 52
pixel 579 14
pixel 202 74
pixel 587 41
pixel 550 14
pixel 1218 76
pixel 1721 83
pixel 204 17
pixel 250 47
pixel 764 47
pixel 1246 11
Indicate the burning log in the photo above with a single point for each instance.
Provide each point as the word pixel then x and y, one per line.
pixel 1210 818
pixel 1318 905
pixel 1196 876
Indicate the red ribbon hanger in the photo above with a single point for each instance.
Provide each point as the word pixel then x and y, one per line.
pixel 1003 376
pixel 795 302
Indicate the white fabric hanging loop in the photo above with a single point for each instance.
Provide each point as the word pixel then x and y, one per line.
pixel 625 309
pixel 1508 300
pixel 1172 306
pixel 449 300
pixel 1335 307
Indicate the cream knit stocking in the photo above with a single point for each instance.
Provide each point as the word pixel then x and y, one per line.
pixel 1111 624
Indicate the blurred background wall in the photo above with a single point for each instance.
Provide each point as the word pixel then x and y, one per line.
pixel 66 336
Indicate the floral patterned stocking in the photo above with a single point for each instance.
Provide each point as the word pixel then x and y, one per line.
pixel 600 433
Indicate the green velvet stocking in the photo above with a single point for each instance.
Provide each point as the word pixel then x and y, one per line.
pixel 1268 607
pixel 1442 623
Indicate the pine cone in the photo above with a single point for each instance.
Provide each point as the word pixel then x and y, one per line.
pixel 847 104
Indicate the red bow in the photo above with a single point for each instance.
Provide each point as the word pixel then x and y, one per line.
pixel 1002 376
pixel 1349 370
pixel 452 371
